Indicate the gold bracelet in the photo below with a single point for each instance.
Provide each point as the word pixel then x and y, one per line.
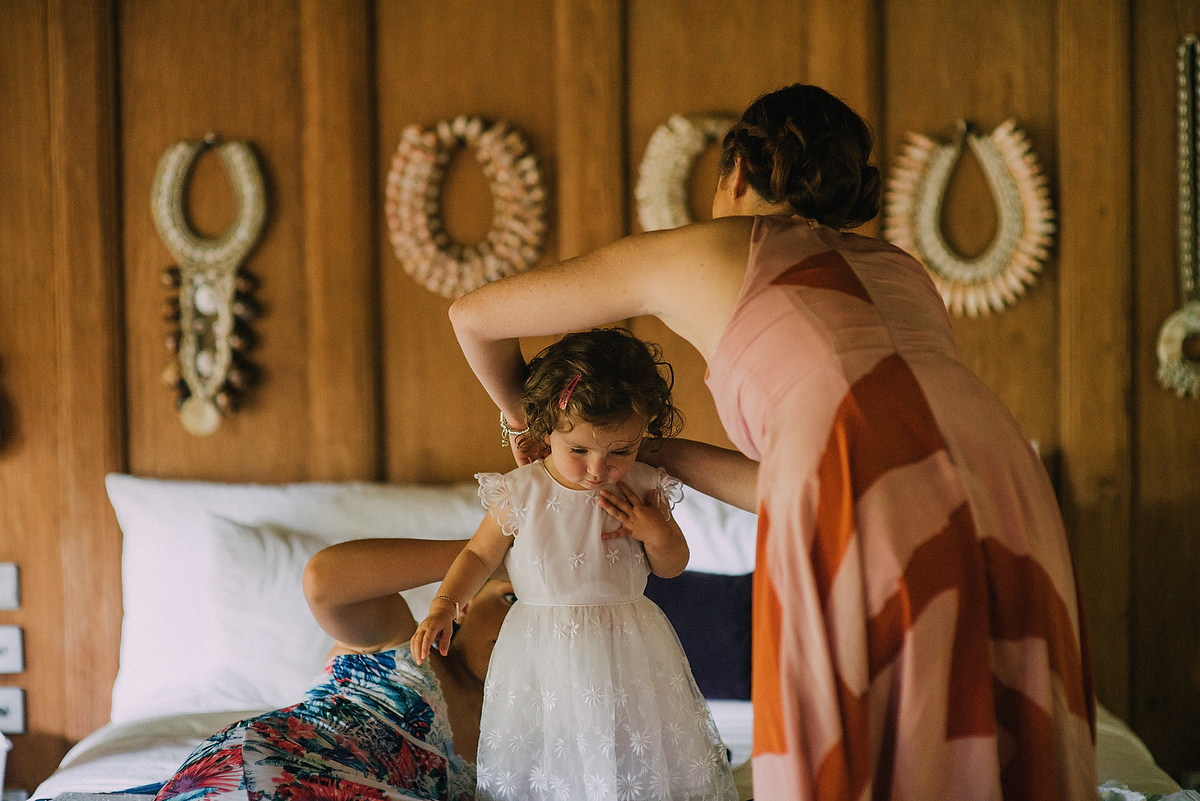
pixel 451 600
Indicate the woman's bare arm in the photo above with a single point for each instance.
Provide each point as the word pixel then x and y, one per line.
pixel 688 277
pixel 723 473
pixel 352 587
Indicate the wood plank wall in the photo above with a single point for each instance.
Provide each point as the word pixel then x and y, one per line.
pixel 362 378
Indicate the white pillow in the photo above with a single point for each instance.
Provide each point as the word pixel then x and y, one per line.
pixel 722 538
pixel 169 640
pixel 251 569
pixel 188 638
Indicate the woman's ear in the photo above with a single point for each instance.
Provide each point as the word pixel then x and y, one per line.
pixel 737 182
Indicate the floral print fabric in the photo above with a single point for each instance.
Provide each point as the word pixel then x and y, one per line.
pixel 373 727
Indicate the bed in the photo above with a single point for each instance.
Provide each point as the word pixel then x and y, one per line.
pixel 216 628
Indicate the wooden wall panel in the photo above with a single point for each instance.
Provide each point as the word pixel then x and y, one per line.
pixel 1165 547
pixel 436 61
pixel 1095 307
pixel 983 64
pixel 90 376
pixel 589 109
pixel 844 50
pixel 232 68
pixel 689 59
pixel 340 199
pixel 29 488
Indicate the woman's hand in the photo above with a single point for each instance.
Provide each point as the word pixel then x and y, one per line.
pixel 643 521
pixel 436 628
pixel 528 456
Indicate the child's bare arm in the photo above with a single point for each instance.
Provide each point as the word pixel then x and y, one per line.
pixel 353 587
pixel 666 549
pixel 477 561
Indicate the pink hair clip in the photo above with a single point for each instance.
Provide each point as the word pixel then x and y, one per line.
pixel 565 397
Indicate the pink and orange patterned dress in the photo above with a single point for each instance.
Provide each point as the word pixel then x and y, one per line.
pixel 917 627
pixel 373 728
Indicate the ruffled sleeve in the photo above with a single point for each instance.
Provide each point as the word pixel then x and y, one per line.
pixel 493 492
pixel 670 492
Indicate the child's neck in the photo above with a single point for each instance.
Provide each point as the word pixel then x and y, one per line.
pixel 548 460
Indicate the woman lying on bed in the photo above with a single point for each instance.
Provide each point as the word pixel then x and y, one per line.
pixel 375 725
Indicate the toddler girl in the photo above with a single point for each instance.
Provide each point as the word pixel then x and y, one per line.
pixel 589 695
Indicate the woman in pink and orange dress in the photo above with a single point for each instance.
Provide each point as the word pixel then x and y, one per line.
pixel 917 626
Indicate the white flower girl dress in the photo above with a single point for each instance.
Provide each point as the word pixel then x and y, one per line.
pixel 589 694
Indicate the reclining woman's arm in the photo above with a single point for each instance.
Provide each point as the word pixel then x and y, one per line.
pixel 353 587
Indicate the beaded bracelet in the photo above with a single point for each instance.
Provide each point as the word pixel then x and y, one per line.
pixel 506 432
pixel 451 600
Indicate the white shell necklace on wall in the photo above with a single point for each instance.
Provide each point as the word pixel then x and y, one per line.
pixel 913 213
pixel 663 176
pixel 212 302
pixel 1176 371
pixel 414 206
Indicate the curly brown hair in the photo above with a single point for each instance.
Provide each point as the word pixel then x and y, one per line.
pixel 619 376
pixel 803 146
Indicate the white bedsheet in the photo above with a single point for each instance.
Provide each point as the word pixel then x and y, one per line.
pixel 119 757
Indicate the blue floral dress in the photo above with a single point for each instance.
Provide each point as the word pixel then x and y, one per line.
pixel 374 726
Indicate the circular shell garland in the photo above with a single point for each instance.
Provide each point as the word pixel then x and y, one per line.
pixel 662 187
pixel 1176 371
pixel 210 305
pixel 913 212
pixel 414 212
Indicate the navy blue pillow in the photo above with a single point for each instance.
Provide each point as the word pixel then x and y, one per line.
pixel 711 614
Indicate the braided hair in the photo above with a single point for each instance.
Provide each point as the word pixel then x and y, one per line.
pixel 803 146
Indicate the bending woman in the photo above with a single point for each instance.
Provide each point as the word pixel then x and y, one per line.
pixel 917 627
pixel 376 725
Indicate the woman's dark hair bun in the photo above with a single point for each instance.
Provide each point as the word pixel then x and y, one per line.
pixel 803 146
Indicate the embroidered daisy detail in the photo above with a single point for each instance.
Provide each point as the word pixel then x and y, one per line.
pixel 581 742
pixel 593 499
pixel 560 747
pixel 638 556
pixel 549 699
pixel 659 785
pixel 673 732
pixel 679 682
pixel 529 633
pixel 558 787
pixel 620 697
pixel 518 743
pixel 506 783
pixel 560 631
pixel 596 787
pixel 697 770
pixel 519 512
pixel 577 559
pixel 629 787
pixel 492 738
pixel 512 697
pixel 539 779
pixel 613 555
pixel 554 503
pixel 593 696
pixel 639 741
pixel 539 561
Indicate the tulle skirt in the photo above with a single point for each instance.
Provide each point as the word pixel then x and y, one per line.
pixel 596 702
